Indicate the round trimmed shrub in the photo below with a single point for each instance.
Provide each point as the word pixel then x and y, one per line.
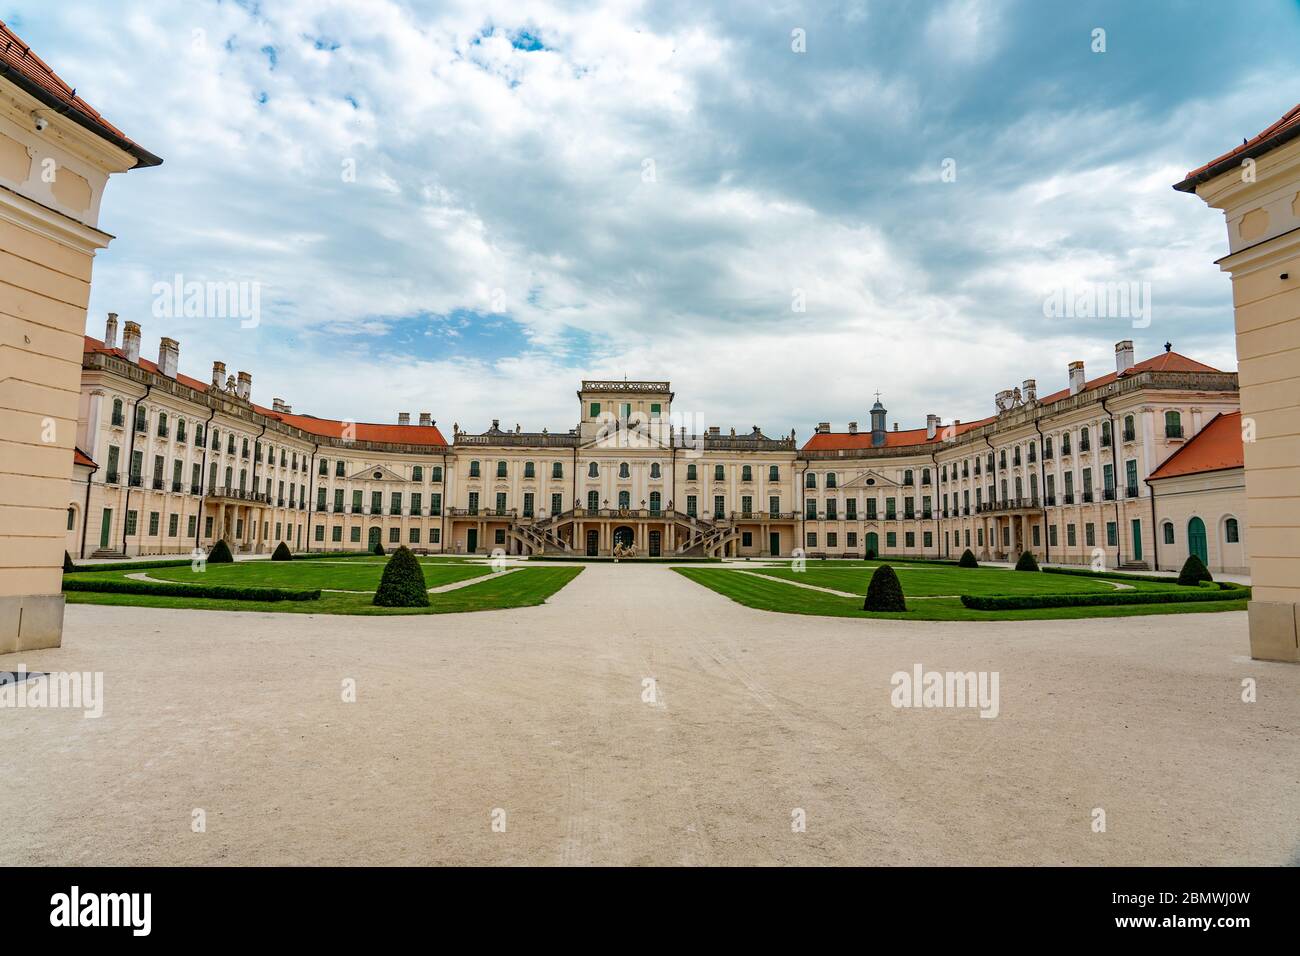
pixel 884 593
pixel 403 582
pixel 220 553
pixel 282 553
pixel 1194 572
pixel 1026 562
pixel 968 560
pixel 379 549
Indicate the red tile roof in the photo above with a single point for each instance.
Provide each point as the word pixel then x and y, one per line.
pixel 79 457
pixel 834 441
pixel 1215 447
pixel 1285 129
pixel 22 67
pixel 426 435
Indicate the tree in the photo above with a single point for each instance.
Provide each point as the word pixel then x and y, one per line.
pixel 379 548
pixel 968 560
pixel 220 553
pixel 1026 562
pixel 403 582
pixel 884 593
pixel 1194 572
pixel 282 553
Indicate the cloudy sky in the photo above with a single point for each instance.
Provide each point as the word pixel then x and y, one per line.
pixel 467 208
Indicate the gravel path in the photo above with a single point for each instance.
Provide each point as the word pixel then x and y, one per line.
pixel 540 712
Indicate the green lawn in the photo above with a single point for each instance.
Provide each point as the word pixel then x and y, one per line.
pixel 773 595
pixel 340 575
pixel 522 588
pixel 923 580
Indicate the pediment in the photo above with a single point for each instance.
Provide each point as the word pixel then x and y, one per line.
pixel 375 473
pixel 878 481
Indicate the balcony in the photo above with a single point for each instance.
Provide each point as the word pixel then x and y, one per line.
pixel 135 481
pixel 118 421
pixel 162 433
pixel 157 484
pixel 141 425
pixel 1108 494
pixel 376 510
pixel 338 508
pixel 1085 447
pixel 415 511
pixel 1012 504
pixel 1050 501
pixel 397 510
pixel 177 486
pixel 239 494
pixel 1105 440
pixel 112 478
pixel 909 515
pixel 1087 497
pixel 927 514
pixel 1048 455
pixel 1069 497
pixel 1129 436
pixel 1131 491
pixel 279 502
pixel 1173 431
pixel 196 489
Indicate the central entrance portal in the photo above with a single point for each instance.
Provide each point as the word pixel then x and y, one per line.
pixel 623 537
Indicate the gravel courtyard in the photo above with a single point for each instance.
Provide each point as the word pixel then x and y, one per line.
pixel 540 712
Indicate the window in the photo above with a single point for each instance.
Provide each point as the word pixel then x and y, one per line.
pixel 1130 432
pixel 851 539
pixel 1173 425
pixel 593 470
pixel 623 470
pixel 1112 534
pixel 810 480
pixel 336 535
pixel 414 537
pixel 746 473
pixel 832 539
pixel 1230 531
pixel 1169 531
pixel 927 538
pixel 747 539
pixel 417 473
pixel 774 506
pixel 355 535
pixel 831 509
pixel 719 473
pixel 1051 535
pixel 435 535
pixel 417 501
pixel 851 509
pixel 891 539
pixel 909 539
pixel 435 475
pixel 594 410
pixel 812 539
pixel 501 469
pixel 691 473
pixel 130 522
pixel 72 518
pixel 773 473
pixel 1090 534
pixel 691 505
pixel 810 508
pixel 593 501
pixel 557 469
pixel 501 501
pixel 529 470
pixel 320 532
pixel 624 500
pixel 117 413
pixel 394 535
pixel 473 469
pixel 655 500
pixel 655 409
pixel 395 503
pixel 339 469
pixel 719 506
pixel 557 504
pixel 654 470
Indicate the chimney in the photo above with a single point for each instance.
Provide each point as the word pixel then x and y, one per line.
pixel 931 425
pixel 1076 378
pixel 169 355
pixel 277 404
pixel 895 426
pixel 823 428
pixel 110 331
pixel 853 428
pixel 715 429
pixel 426 418
pixel 219 374
pixel 131 341
pixel 288 409
pixel 1123 356
pixel 403 418
pixel 244 388
pixel 1029 391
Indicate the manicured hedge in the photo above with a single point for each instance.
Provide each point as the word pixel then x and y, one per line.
pixel 220 553
pixel 1194 571
pixel 1023 602
pixel 1026 562
pixel 884 593
pixel 403 582
pixel 1113 575
pixel 967 560
pixel 282 553
pixel 176 589
pixel 128 566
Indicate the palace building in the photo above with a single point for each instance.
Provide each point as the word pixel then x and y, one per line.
pixel 1138 467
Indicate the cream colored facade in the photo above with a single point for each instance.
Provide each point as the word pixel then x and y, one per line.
pixel 179 464
pixel 53 171
pixel 1257 187
pixel 1218 500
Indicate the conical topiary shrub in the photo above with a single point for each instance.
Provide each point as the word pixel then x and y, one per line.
pixel 403 582
pixel 282 553
pixel 1026 562
pixel 968 560
pixel 1194 572
pixel 220 553
pixel 884 593
pixel 379 548
pixel 67 563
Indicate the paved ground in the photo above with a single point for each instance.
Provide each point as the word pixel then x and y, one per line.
pixel 539 711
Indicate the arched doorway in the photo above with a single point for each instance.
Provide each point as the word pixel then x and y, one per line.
pixel 374 537
pixel 1196 540
pixel 623 536
pixel 873 543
